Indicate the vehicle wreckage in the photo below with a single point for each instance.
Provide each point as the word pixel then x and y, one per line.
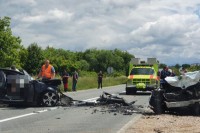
pixel 19 88
pixel 180 92
pixel 108 103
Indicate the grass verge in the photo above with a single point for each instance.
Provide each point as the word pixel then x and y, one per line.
pixel 85 83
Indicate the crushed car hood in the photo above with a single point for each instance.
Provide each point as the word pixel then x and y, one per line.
pixel 184 81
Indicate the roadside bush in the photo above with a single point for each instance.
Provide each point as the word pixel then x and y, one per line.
pixel 87 74
pixel 116 74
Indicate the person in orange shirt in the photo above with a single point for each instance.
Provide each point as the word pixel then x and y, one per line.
pixel 47 71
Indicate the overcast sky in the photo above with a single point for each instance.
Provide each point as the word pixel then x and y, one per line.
pixel 166 29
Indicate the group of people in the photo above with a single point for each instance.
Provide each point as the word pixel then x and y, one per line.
pixel 65 77
pixel 47 71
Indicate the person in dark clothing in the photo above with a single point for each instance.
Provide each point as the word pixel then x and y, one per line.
pixel 74 80
pixel 65 77
pixel 100 77
pixel 164 73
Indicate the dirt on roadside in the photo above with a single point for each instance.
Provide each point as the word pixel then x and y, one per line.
pixel 165 123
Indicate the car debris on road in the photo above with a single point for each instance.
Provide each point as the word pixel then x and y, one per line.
pixel 108 103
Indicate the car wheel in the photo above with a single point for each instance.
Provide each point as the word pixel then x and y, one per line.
pixel 196 109
pixel 49 98
pixel 156 101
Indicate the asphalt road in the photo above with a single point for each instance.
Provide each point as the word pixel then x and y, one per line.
pixel 74 119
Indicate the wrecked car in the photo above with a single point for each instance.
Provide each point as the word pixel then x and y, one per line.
pixel 18 87
pixel 179 93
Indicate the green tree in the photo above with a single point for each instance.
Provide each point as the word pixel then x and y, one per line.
pixel 125 62
pixel 186 66
pixel 161 65
pixel 23 55
pixel 10 45
pixel 90 55
pixel 177 66
pixel 83 65
pixel 102 59
pixel 34 59
pixel 105 59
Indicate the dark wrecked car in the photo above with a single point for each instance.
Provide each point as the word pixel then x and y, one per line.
pixel 179 93
pixel 18 87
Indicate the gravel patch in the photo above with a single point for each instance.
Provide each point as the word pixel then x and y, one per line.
pixel 165 123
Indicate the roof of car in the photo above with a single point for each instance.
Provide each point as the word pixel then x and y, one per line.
pixel 10 70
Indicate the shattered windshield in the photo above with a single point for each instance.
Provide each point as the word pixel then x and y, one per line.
pixel 142 71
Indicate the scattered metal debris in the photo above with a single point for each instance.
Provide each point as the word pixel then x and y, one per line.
pixel 107 103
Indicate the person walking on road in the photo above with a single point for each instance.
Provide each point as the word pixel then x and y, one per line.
pixel 47 71
pixel 74 80
pixel 65 77
pixel 100 78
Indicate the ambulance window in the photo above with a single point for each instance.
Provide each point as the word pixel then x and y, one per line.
pixel 142 71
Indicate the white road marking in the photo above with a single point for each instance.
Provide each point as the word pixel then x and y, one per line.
pixel 25 115
pixel 16 117
pixel 41 111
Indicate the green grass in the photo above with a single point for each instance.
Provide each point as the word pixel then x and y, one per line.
pixel 85 83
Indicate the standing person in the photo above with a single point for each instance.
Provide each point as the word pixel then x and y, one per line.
pixel 163 74
pixel 74 80
pixel 47 71
pixel 100 77
pixel 65 77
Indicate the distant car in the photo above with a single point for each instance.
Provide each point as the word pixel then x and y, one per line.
pixel 18 87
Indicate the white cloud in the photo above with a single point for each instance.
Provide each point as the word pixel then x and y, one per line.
pixel 51 15
pixel 23 2
pixel 168 30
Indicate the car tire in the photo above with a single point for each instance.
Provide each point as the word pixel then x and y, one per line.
pixel 49 98
pixel 196 109
pixel 156 101
pixel 158 109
